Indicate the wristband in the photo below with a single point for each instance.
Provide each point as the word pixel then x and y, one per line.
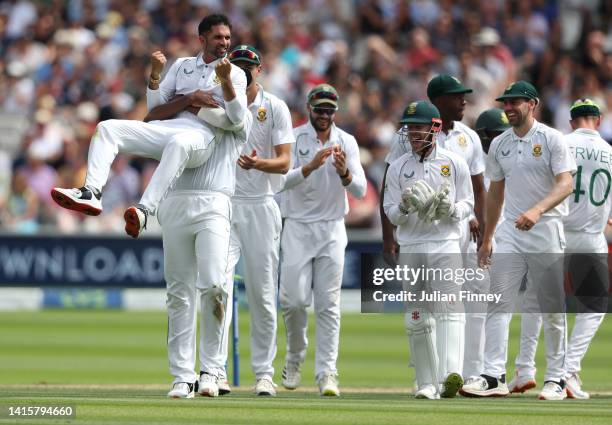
pixel 154 80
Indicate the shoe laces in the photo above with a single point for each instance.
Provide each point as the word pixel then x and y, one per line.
pixel 207 377
pixel 291 369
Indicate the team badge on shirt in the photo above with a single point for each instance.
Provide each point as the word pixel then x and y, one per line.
pixel 462 142
pixel 445 170
pixel 262 114
pixel 537 150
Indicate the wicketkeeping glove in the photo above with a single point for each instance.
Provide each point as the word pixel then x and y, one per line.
pixel 406 206
pixel 446 206
pixel 422 195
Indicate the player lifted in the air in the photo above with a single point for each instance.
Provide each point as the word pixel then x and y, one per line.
pixel 185 141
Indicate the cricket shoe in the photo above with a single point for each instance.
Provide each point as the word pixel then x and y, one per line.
pixel 182 390
pixel 291 376
pixel 265 387
pixel 553 391
pixel 208 385
pixel 573 387
pixel 427 392
pixel 520 384
pixel 485 386
pixel 328 385
pixel 223 384
pixel 451 385
pixel 85 200
pixel 135 220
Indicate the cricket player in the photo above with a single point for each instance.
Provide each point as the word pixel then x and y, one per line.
pixel 196 220
pixel 256 218
pixel 490 124
pixel 313 204
pixel 530 168
pixel 185 141
pixel 445 176
pixel 586 250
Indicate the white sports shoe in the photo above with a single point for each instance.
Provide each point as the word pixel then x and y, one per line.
pixel 265 386
pixel 328 385
pixel 182 390
pixel 291 376
pixel 552 391
pixel 135 220
pixel 427 392
pixel 485 386
pixel 223 384
pixel 573 387
pixel 520 384
pixel 208 385
pixel 84 199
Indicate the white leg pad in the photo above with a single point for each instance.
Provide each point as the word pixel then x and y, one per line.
pixel 450 332
pixel 422 339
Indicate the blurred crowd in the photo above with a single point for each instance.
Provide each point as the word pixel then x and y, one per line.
pixel 65 65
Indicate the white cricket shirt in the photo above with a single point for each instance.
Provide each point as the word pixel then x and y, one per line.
pixel 271 127
pixel 440 167
pixel 529 166
pixel 189 74
pixel 321 196
pixel 218 173
pixel 589 205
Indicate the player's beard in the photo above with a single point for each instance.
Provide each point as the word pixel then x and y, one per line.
pixel 320 123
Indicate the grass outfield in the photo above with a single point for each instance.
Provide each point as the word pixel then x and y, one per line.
pixel 112 366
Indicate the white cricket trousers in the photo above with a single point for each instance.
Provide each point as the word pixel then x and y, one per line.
pixel 435 329
pixel 312 263
pixel 475 313
pixel 585 326
pixel 255 236
pixel 521 253
pixel 195 231
pixel 177 144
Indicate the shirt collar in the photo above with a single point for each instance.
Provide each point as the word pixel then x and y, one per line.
pixel 333 135
pixel 433 155
pixel 258 101
pixel 587 131
pixel 529 134
pixel 200 61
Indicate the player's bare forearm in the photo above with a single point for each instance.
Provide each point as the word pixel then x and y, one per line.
pixel 495 200
pixel 279 164
pixel 561 190
pixel 388 229
pixel 169 109
pixel 480 199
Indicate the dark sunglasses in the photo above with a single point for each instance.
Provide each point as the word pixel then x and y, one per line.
pixel 243 54
pixel 324 95
pixel 324 111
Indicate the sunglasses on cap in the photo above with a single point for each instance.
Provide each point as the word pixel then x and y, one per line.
pixel 324 111
pixel 243 54
pixel 324 95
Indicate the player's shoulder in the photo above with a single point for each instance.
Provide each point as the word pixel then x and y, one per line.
pixel 302 130
pixel 463 128
pixel 500 140
pixel 398 163
pixel 548 132
pixel 456 159
pixel 185 61
pixel 274 101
